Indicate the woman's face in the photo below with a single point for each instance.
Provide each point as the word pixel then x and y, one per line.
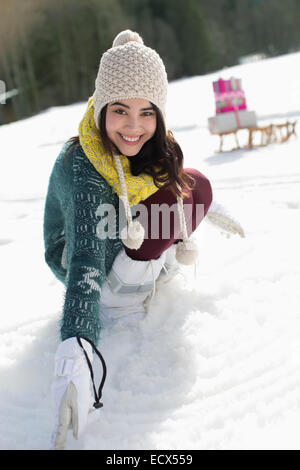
pixel 130 123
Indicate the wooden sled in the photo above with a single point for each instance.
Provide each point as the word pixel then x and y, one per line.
pixel 270 134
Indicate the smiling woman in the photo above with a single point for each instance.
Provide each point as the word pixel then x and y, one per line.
pixel 122 157
pixel 160 156
pixel 130 124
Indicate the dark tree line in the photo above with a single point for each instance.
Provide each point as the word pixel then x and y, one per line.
pixel 50 49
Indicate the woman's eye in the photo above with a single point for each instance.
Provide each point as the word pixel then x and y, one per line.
pixel 119 111
pixel 123 112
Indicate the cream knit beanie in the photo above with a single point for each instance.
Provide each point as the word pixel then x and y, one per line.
pixel 130 70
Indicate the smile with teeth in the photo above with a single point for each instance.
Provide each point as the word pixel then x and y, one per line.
pixel 132 140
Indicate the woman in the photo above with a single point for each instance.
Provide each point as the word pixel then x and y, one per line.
pixel 109 260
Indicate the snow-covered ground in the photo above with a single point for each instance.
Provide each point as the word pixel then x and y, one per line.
pixel 216 364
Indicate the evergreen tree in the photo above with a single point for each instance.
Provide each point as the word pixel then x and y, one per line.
pixel 50 50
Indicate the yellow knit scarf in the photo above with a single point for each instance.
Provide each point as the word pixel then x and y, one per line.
pixel 139 187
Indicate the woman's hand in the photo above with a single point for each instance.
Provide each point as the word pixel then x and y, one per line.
pixel 71 393
pixel 218 216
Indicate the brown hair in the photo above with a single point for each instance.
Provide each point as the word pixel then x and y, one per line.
pixel 160 157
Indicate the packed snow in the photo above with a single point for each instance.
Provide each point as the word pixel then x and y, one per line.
pixel 216 363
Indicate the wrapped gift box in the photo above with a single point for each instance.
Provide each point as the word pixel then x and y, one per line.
pixel 229 95
pixel 230 121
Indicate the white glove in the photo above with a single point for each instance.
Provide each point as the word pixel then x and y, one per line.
pixel 71 395
pixel 218 216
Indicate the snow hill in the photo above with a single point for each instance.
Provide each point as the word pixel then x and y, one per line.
pixel 216 364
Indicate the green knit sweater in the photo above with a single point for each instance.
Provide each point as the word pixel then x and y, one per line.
pixel 75 192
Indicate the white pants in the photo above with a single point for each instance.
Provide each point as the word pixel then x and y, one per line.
pixel 118 304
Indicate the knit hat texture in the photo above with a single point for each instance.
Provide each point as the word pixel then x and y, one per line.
pixel 130 70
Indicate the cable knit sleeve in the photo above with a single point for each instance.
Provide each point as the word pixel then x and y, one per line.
pixel 88 257
pixel 54 218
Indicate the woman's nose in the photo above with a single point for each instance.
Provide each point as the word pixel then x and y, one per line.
pixel 132 122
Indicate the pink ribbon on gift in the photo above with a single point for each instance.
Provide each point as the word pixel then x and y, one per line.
pixel 237 117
